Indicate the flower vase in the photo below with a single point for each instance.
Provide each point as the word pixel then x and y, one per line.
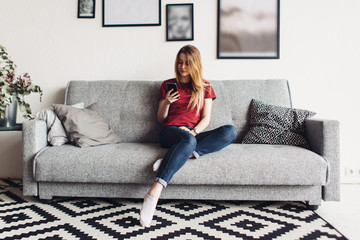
pixel 9 119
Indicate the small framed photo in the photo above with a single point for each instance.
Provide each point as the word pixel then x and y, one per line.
pixel 86 8
pixel 123 13
pixel 248 29
pixel 180 22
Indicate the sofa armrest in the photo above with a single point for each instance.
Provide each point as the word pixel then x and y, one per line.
pixel 34 135
pixel 323 137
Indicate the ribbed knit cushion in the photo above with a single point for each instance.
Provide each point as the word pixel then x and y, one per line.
pixel 270 124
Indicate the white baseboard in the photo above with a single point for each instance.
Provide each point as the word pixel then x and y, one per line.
pixel 354 180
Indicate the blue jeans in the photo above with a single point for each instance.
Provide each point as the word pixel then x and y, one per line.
pixel 182 144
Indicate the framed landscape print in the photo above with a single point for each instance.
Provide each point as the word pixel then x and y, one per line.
pixel 119 13
pixel 86 8
pixel 248 29
pixel 179 22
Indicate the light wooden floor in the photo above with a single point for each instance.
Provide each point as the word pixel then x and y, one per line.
pixel 344 215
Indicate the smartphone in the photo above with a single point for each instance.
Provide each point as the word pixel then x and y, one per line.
pixel 172 86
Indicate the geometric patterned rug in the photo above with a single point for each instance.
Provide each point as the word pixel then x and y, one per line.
pixel 100 218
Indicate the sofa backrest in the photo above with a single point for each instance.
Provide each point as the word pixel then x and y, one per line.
pixel 131 106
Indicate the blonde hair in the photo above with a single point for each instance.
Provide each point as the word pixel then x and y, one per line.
pixel 195 68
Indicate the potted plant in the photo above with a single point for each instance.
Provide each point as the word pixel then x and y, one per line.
pixel 14 88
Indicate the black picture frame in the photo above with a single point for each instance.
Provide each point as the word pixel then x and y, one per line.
pixel 248 29
pixel 173 13
pixel 86 8
pixel 130 13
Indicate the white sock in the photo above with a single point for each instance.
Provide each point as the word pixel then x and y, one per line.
pixel 147 210
pixel 156 165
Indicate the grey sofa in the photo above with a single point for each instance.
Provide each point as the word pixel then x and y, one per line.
pixel 238 172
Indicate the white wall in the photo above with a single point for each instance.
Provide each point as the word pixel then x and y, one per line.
pixel 319 55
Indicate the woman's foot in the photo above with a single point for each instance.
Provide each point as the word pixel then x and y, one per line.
pixel 157 164
pixel 149 205
pixel 147 210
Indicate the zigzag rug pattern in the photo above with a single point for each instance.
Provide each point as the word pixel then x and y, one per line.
pixel 93 218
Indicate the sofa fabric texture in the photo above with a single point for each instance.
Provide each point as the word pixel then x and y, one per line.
pixel 258 165
pixel 134 103
pixel 270 124
pixel 124 169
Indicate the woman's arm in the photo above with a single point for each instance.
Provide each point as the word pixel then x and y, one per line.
pixel 164 105
pixel 205 117
pixel 163 110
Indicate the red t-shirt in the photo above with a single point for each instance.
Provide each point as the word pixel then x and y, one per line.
pixel 179 113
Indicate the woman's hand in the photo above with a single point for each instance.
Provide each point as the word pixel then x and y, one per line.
pixel 164 105
pixel 188 130
pixel 172 97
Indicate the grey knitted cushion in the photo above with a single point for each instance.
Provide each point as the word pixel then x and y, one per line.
pixel 270 124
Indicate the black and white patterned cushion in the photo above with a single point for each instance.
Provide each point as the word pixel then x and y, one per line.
pixel 270 124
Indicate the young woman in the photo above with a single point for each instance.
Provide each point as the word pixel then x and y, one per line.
pixel 184 115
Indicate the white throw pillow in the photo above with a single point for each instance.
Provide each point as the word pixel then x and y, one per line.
pixel 56 132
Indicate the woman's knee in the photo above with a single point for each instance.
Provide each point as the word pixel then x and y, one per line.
pixel 172 135
pixel 191 139
pixel 230 131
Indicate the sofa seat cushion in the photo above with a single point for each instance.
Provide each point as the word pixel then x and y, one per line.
pixel 238 164
pixel 111 163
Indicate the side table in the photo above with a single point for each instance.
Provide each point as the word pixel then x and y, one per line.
pixel 17 127
pixel 11 151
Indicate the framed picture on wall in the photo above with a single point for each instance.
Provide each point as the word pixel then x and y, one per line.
pixel 86 8
pixel 248 29
pixel 180 22
pixel 122 13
